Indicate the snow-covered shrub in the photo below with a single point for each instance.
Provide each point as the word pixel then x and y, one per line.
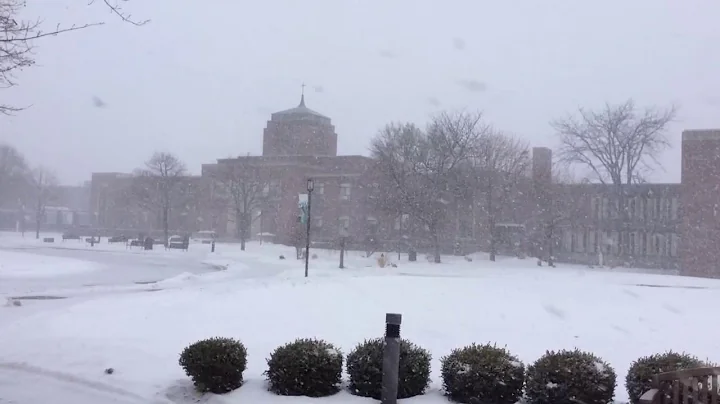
pixel 215 364
pixel 364 368
pixel 305 367
pixel 566 377
pixel 483 372
pixel 640 374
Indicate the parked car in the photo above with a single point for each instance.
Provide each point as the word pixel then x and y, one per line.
pixel 205 236
pixel 176 242
pixel 70 236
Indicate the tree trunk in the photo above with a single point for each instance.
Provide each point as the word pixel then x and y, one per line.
pixel 38 217
pixel 491 222
pixel 243 237
pixel 166 224
pixel 436 246
pixel 550 249
pixel 342 253
pixel 241 228
pixel 493 246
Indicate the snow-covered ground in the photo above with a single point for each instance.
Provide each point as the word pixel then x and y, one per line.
pixel 143 307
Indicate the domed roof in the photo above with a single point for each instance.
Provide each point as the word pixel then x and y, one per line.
pixel 299 113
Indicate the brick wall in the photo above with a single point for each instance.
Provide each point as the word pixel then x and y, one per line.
pixel 700 201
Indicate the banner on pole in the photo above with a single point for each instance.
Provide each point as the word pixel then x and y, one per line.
pixel 303 206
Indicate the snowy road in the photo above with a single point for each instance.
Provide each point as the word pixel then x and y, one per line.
pixel 111 268
pixel 18 384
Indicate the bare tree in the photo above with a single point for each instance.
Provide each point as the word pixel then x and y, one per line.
pixel 560 205
pixel 618 144
pixel 244 186
pixel 420 169
pixel 17 38
pixel 45 192
pixel 14 174
pixel 155 185
pixel 499 162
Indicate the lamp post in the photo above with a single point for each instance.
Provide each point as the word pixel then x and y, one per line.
pixel 310 187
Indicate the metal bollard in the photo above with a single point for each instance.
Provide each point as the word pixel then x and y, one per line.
pixel 391 358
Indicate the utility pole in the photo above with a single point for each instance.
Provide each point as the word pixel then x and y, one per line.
pixel 310 187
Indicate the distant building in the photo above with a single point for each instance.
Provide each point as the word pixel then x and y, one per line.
pixel 670 227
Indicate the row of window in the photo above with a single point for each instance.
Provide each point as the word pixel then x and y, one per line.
pixel 344 222
pixel 345 189
pixel 637 207
pixel 620 243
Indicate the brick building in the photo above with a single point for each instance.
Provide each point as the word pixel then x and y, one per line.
pixel 670 226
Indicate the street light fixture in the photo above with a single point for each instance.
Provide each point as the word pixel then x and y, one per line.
pixel 310 187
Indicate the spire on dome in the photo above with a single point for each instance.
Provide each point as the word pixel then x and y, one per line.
pixel 302 96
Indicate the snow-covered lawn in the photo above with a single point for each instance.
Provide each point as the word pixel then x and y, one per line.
pixel 265 302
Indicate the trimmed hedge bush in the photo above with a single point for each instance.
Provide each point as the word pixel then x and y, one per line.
pixel 364 368
pixel 639 376
pixel 567 377
pixel 484 373
pixel 215 364
pixel 305 367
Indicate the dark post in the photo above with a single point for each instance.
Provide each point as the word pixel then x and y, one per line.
pixel 212 246
pixel 342 252
pixel 310 187
pixel 391 358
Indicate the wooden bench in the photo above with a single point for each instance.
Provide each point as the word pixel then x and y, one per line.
pixel 690 386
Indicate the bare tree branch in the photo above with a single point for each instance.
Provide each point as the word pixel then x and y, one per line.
pixel 616 143
pixel 561 203
pixel 14 175
pixel 421 169
pixel 45 192
pixel 245 188
pixel 155 186
pixel 17 38
pixel 116 9
pixel 497 165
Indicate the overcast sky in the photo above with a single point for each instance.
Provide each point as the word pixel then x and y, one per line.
pixel 203 77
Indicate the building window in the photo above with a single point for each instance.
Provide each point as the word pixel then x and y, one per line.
pixel 674 241
pixel 319 188
pixel 345 191
pixel 343 223
pixel 401 222
pixel 608 242
pixel 674 209
pixel 605 208
pixel 318 221
pixel 594 208
pixel 632 208
pixel 658 207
